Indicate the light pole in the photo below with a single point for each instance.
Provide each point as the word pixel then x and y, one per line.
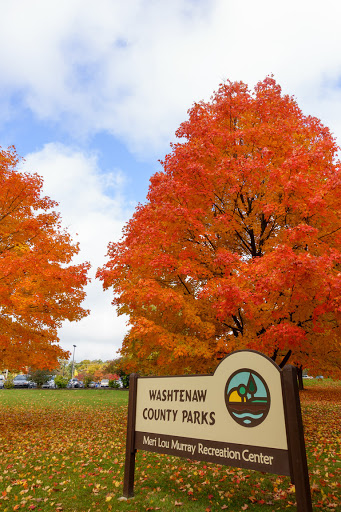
pixel 73 364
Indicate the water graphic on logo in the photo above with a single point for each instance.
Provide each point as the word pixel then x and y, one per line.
pixel 247 397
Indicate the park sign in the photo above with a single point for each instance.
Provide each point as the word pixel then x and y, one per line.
pixel 246 414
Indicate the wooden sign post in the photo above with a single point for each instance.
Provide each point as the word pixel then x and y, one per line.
pixel 247 414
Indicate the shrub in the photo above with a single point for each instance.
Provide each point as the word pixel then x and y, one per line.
pixel 125 380
pixel 87 378
pixel 8 384
pixel 40 377
pixel 61 382
pixel 114 384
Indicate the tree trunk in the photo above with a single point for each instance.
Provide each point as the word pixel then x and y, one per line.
pixel 285 359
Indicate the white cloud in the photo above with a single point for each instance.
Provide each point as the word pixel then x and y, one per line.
pixel 94 218
pixel 133 68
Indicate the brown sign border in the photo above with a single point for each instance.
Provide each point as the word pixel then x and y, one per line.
pixel 292 462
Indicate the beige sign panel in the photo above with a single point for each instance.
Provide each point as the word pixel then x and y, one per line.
pixel 240 404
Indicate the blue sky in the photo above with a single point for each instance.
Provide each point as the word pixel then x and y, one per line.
pixel 91 94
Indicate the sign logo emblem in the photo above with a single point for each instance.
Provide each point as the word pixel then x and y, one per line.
pixel 247 397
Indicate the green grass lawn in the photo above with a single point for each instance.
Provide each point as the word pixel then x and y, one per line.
pixel 63 450
pixel 321 383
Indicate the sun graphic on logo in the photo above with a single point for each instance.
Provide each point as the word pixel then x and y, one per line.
pixel 247 397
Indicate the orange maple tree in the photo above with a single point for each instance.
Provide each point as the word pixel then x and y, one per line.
pixel 39 287
pixel 238 244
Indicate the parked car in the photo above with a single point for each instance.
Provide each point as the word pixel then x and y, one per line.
pixel 307 377
pixel 74 383
pixel 21 381
pixel 2 381
pixel 104 383
pixel 50 384
pixel 319 377
pixel 92 384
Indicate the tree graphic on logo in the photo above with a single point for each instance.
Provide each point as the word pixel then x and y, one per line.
pixel 247 397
